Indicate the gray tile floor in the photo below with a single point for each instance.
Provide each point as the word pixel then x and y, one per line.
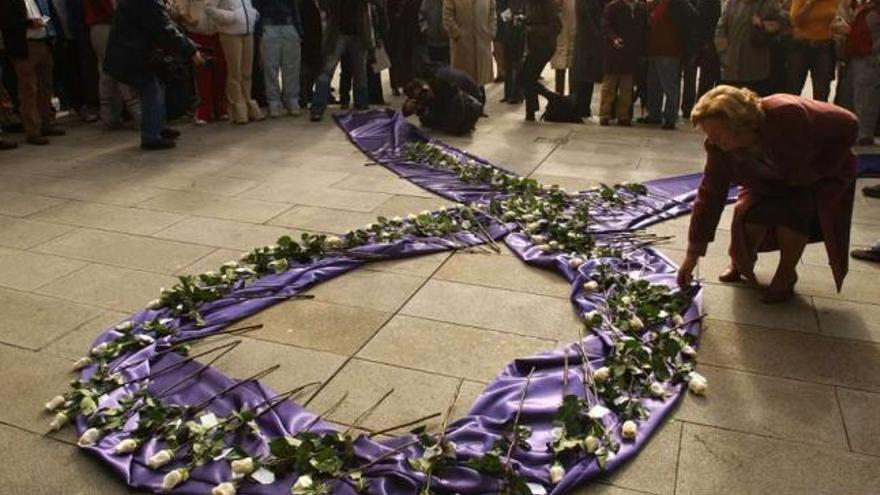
pixel 90 228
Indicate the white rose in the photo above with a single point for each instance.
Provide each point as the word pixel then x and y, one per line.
pixel 592 316
pixel 397 220
pixel 279 266
pixel 87 406
pixel 575 262
pixel 591 444
pixel 333 242
pixel 55 403
pixel 294 442
pixel 230 264
pixel 677 320
pixel 126 446
pixel 538 239
pixel 412 217
pixel 82 363
pixel 591 286
pixel 58 421
pixel 662 314
pixel 557 472
pixel 213 274
pixel 160 458
pixel 144 339
pixel 243 467
pixel 174 478
pixel 243 258
pixel 553 244
pixel 100 349
pixel 302 485
pixel 223 489
pixel 89 437
pixel 154 304
pixel 602 374
pixel 636 323
pixel 689 351
pixel 626 300
pixel 697 383
pixel 546 248
pixel 557 433
pixel 657 389
pixel 125 326
pixel 424 213
pixel 629 430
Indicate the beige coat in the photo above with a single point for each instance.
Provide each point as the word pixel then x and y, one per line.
pixel 564 56
pixel 471 25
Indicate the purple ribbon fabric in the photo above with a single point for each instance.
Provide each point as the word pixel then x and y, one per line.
pixel 382 135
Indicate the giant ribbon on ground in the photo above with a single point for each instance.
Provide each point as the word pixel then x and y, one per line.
pixel 382 135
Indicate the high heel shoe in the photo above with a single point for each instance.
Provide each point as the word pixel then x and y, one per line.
pixel 730 275
pixel 775 296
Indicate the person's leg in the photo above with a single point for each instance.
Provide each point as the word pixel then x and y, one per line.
pixel 44 68
pixel 204 85
pixel 27 97
pixel 247 79
pixel 151 110
pixel 529 83
pixel 624 99
pixel 560 81
pixel 271 50
pixel 322 84
pixel 232 48
pixel 218 76
pixel 791 248
pixel 822 71
pixel 359 74
pixel 689 82
pixel 865 73
pixel 345 78
pixel 291 59
pixel 670 82
pixel 606 103
pixel 710 69
pixel 654 96
pixel 798 65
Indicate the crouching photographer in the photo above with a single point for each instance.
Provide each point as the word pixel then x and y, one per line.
pixel 445 99
pixel 144 49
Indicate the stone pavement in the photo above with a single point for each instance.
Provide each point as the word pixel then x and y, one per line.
pixel 91 228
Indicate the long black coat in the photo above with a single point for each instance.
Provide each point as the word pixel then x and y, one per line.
pixel 14 23
pixel 588 42
pixel 140 29
pixel 630 24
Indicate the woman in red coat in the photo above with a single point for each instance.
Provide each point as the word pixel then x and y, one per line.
pixel 792 160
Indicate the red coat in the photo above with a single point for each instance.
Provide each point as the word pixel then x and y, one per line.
pixel 809 144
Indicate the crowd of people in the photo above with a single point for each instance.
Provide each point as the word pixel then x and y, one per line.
pixel 139 63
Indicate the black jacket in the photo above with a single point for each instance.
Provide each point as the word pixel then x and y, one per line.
pixel 542 23
pixel 588 42
pixel 141 30
pixel 709 12
pixel 14 24
pixel 279 12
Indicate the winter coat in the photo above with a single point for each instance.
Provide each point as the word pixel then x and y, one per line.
pixel 809 145
pixel 196 11
pixel 629 23
pixel 471 25
pixel 743 60
pixel 564 56
pixel 588 42
pixel 542 24
pixel 140 30
pixel 333 11
pixel 235 17
pixel 13 23
pixel 431 23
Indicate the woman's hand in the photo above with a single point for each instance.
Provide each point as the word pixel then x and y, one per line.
pixel 685 272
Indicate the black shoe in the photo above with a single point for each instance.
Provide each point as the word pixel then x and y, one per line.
pixel 53 131
pixel 7 145
pixel 668 126
pixel 530 116
pixel 503 100
pixel 866 254
pixel 515 101
pixel 604 121
pixel 871 191
pixel 37 140
pixel 169 133
pixel 649 120
pixel 316 116
pixel 162 144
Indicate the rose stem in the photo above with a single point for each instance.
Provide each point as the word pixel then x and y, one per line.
pixel 327 411
pixel 404 425
pixel 364 415
pixel 439 442
pixel 565 374
pixel 519 409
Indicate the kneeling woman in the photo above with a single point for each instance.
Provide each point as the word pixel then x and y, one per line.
pixel 792 161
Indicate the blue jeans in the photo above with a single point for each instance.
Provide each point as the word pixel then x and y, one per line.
pixel 355 50
pixel 280 46
pixel 152 94
pixel 664 80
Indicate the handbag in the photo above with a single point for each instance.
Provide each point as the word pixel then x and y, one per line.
pixel 759 35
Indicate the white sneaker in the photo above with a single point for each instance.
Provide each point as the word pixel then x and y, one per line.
pixel 296 112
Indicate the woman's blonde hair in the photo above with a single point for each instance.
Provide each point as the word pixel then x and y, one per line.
pixel 740 108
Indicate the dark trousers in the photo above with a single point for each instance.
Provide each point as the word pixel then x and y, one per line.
pixel 513 62
pixel 374 84
pixel 439 54
pixel 583 97
pixel 537 58
pixel 706 61
pixel 817 58
pixel 152 94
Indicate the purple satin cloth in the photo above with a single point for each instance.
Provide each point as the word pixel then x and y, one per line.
pixel 382 135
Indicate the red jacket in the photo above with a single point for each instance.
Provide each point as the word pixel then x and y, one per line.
pixel 809 144
pixel 664 39
pixel 98 11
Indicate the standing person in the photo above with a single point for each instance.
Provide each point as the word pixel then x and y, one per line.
pixel 863 52
pixel 211 77
pixel 471 25
pixel 624 23
pixel 511 32
pixel 703 57
pixel 498 43
pixel 312 58
pixel 436 37
pixel 744 62
pixel 4 103
pixel 563 59
pixel 812 47
pixel 280 48
pixel 587 67
pixel 114 97
pixel 542 29
pixel 349 33
pixel 28 34
pixel 69 58
pixel 793 161
pixel 668 23
pixel 141 36
pixel 404 38
pixel 235 20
